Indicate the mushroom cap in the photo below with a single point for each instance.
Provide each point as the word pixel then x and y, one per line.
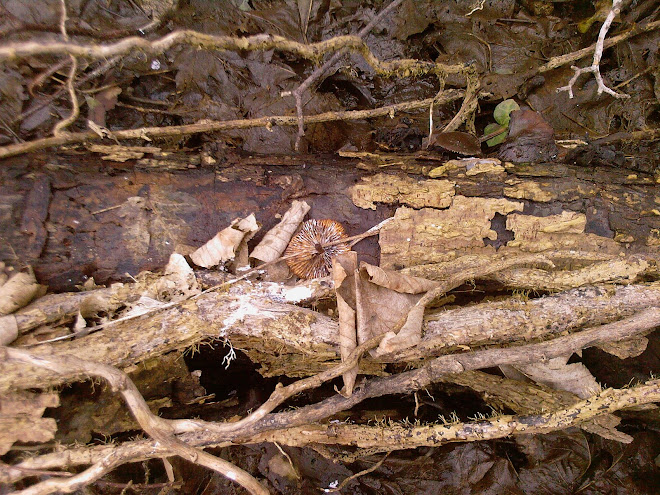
pixel 456 141
pixel 310 259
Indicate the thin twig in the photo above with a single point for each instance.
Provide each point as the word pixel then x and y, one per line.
pixel 562 60
pixel 75 107
pixel 182 130
pixel 321 71
pixel 357 475
pixel 102 69
pixel 260 42
pixel 595 64
pixel 39 80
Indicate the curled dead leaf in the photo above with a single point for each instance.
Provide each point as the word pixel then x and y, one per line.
pixel 396 280
pixel 17 292
pixel 277 239
pixel 223 246
pixel 178 282
pixel 344 267
pixel 530 139
pixel 384 299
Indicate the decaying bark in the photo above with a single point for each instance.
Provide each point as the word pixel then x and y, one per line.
pixel 476 225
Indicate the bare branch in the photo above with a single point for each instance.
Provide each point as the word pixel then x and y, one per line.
pixel 253 43
pixel 561 60
pixel 598 53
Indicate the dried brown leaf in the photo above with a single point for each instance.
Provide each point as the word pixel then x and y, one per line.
pixel 530 139
pixel 178 282
pixel 17 292
pixel 409 335
pixel 397 281
pixel 12 94
pixel 225 243
pixel 381 307
pixel 101 103
pixel 305 9
pixel 344 268
pixel 277 239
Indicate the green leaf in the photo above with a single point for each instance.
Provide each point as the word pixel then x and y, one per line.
pixel 503 111
pixel 497 139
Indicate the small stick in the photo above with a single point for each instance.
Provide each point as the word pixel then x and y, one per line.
pixel 75 106
pixel 320 72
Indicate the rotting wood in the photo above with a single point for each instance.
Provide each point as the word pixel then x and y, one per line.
pixel 533 398
pixel 269 331
pixel 212 434
pixel 286 333
pixel 176 216
pixel 21 418
pixel 499 322
pixel 265 325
